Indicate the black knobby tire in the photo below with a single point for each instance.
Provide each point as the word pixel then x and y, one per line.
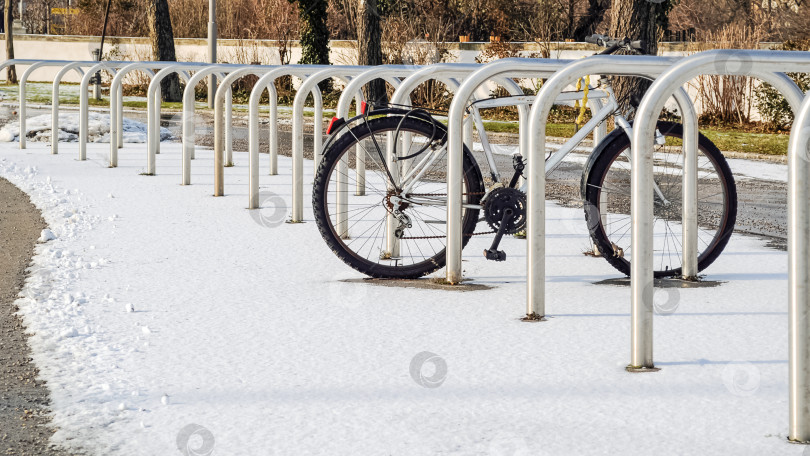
pixel 474 188
pixel 725 220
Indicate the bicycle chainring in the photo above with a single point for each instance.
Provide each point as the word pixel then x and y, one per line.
pixel 496 204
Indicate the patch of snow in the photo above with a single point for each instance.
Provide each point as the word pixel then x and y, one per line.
pixel 38 129
pixel 46 235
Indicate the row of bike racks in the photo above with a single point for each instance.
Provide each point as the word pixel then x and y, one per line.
pixel 465 80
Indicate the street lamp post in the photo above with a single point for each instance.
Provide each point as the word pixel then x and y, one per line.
pixel 212 49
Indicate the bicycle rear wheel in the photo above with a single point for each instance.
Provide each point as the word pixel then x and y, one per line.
pixel 359 235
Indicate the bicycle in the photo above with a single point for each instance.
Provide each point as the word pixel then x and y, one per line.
pixel 393 225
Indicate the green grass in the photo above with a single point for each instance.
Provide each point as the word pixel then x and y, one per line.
pixel 757 143
pixel 725 140
pixel 552 129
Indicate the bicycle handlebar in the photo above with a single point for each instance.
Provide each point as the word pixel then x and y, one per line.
pixel 613 44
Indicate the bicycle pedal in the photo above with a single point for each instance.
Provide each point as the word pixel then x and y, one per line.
pixel 495 255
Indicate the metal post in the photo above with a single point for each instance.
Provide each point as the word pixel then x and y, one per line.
pixel 21 110
pixel 97 76
pixel 799 276
pixel 689 225
pixel 212 49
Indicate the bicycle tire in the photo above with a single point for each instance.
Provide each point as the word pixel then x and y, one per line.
pixel 605 239
pixel 474 188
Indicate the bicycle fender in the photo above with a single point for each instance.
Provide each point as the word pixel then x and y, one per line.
pixel 337 125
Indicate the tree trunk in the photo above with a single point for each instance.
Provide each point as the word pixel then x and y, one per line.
pixel 314 34
pixel 8 15
pixel 637 20
pixel 587 24
pixel 370 47
pixel 162 37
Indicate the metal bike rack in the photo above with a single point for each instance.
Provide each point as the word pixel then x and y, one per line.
pixel 514 68
pixel 345 73
pixel 117 103
pixel 355 87
pixel 645 66
pixel 32 65
pixel 7 63
pixel 799 274
pixel 57 80
pixel 84 100
pixel 448 73
pixel 268 82
pixel 762 65
pixel 153 106
pixel 224 141
pixel 189 109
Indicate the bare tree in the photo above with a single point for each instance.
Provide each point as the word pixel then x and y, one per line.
pixel 8 15
pixel 162 37
pixel 587 23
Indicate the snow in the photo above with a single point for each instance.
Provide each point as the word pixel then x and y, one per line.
pixel 244 336
pixel 38 129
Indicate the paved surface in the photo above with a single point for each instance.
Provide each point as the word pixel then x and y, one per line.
pixel 24 398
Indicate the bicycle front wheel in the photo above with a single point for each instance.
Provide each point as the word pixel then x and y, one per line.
pixel 607 202
pixel 367 216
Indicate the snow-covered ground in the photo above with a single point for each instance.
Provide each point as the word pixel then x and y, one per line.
pixel 165 317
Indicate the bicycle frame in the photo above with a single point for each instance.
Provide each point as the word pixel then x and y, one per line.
pixel 611 107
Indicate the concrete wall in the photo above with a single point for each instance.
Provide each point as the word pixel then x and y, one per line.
pixel 76 48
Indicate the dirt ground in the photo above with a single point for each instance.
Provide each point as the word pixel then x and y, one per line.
pixel 24 398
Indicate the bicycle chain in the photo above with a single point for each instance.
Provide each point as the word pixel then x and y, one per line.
pixel 442 237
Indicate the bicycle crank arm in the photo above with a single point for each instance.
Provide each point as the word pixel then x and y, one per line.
pixel 493 253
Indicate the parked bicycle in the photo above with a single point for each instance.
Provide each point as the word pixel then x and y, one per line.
pixel 391 222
